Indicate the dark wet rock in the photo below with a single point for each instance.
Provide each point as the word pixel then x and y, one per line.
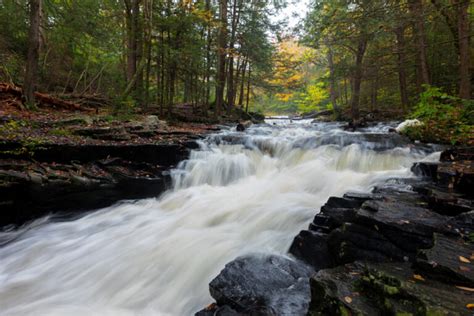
pixel 425 169
pixel 455 175
pixel 390 225
pixel 465 223
pixel 162 154
pixel 443 201
pixel 449 261
pixel 76 178
pixel 214 310
pixel 314 248
pixel 263 285
pixel 354 242
pixel 457 154
pixel 458 175
pixel 383 289
pixel 75 188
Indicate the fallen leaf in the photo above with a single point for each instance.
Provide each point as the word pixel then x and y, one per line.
pixel 418 277
pixel 470 306
pixel 463 259
pixel 468 289
pixel 348 299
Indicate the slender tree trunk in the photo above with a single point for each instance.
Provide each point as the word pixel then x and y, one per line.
pixel 374 92
pixel 231 84
pixel 357 77
pixel 242 85
pixel 464 58
pixel 29 84
pixel 207 93
pixel 346 97
pixel 221 65
pixel 402 78
pixel 248 88
pixel 237 78
pixel 149 30
pixel 423 74
pixel 160 89
pixel 332 80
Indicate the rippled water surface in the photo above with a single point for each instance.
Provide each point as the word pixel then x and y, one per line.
pixel 240 193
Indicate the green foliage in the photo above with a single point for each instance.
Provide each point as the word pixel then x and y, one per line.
pixel 446 119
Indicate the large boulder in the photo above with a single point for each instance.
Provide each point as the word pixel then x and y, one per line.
pixel 263 285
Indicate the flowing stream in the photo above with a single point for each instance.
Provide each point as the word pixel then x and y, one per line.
pixel 240 193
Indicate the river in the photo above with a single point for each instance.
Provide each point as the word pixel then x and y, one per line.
pixel 239 193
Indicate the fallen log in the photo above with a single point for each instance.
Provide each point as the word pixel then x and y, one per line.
pixel 42 98
pixel 47 99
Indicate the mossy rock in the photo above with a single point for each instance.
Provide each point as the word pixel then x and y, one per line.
pixel 384 289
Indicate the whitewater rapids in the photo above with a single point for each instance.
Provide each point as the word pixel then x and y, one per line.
pixel 240 193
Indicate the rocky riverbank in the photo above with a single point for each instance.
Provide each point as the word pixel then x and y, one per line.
pixel 406 248
pixel 73 164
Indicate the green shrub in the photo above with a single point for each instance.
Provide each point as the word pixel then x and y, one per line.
pixel 446 119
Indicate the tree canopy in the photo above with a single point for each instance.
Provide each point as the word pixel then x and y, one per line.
pixel 353 56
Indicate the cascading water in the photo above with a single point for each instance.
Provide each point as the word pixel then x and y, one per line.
pixel 240 193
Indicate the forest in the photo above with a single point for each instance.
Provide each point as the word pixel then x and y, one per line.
pixel 385 59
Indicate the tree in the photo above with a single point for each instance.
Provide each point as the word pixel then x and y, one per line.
pixel 464 56
pixel 221 53
pixel 29 84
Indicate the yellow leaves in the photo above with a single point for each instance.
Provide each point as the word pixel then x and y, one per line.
pixel 284 97
pixel 317 93
pixel 464 259
pixel 470 306
pixel 418 277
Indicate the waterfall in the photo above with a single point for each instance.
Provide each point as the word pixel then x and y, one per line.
pixel 239 193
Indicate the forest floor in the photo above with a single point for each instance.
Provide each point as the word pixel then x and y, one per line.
pixel 50 125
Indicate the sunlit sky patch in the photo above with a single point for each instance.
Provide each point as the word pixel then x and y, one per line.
pixel 293 14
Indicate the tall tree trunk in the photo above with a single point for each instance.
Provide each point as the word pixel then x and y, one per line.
pixel 402 77
pixel 132 19
pixel 242 85
pixel 139 35
pixel 148 39
pixel 416 9
pixel 231 85
pixel 161 74
pixel 29 84
pixel 464 58
pixel 374 92
pixel 221 64
pixel 357 77
pixel 237 78
pixel 207 93
pixel 248 88
pixel 332 80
